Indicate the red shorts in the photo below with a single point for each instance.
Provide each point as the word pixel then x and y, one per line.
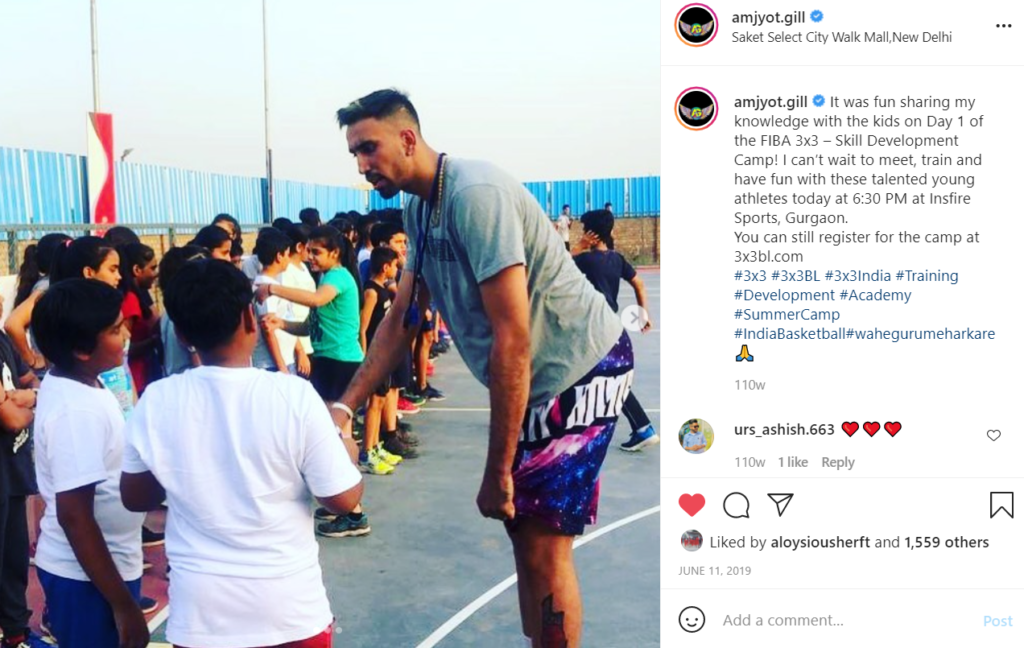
pixel 321 640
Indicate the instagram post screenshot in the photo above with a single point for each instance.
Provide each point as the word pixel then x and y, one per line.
pixel 340 324
pixel 840 200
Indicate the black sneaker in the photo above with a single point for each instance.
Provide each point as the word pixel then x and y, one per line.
pixel 432 394
pixel 408 438
pixel 148 605
pixel 151 538
pixel 344 527
pixel 394 445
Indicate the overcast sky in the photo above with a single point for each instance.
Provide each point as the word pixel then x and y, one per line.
pixel 547 89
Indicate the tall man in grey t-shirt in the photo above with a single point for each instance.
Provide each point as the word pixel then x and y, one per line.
pixel 529 326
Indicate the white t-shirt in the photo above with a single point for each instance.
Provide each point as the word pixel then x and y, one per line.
pixel 80 441
pixel 297 276
pixel 284 310
pixel 562 225
pixel 363 255
pixel 239 460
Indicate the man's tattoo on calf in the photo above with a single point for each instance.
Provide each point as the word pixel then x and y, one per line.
pixel 552 625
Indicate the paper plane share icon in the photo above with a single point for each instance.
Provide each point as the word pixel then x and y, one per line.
pixel 781 500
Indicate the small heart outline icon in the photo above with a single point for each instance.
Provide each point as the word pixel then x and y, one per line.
pixel 692 504
pixel 994 434
pixel 872 427
pixel 893 428
pixel 850 428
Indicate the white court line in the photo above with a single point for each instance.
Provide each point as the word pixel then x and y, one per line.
pixel 451 624
pixel 449 410
pixel 159 619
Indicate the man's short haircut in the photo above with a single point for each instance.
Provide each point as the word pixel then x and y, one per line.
pixel 380 257
pixel 378 105
pixel 206 302
pixel 607 205
pixel 564 207
pixel 70 316
pixel 383 232
pixel 270 243
pixel 310 216
pixel 282 224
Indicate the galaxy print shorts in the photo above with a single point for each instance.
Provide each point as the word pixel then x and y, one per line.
pixel 563 443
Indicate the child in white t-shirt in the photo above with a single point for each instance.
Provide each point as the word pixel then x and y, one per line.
pixel 237 463
pixel 276 350
pixel 297 275
pixel 89 556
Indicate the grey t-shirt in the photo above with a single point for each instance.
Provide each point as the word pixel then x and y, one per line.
pixel 489 222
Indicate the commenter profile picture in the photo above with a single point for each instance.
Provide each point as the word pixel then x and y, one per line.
pixel 696 108
pixel 696 436
pixel 696 25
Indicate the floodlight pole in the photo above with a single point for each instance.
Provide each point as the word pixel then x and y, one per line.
pixel 95 60
pixel 269 215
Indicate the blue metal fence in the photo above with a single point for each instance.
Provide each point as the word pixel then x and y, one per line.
pixel 50 188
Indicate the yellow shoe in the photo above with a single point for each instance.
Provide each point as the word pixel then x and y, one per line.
pixel 391 459
pixel 376 465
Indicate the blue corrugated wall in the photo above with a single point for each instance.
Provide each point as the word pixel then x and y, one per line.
pixel 49 188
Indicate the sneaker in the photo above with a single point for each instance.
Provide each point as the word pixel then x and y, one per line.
pixel 404 427
pixel 343 527
pixel 394 445
pixel 323 515
pixel 387 457
pixel 432 394
pixel 151 538
pixel 406 407
pixel 413 396
pixel 377 465
pixel 640 439
pixel 148 605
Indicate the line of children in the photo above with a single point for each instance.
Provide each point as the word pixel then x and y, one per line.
pixel 95 339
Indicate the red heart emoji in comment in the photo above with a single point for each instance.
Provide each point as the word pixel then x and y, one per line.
pixel 871 428
pixel 850 428
pixel 692 504
pixel 893 428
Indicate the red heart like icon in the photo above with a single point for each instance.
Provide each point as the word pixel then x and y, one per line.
pixel 850 428
pixel 871 428
pixel 692 504
pixel 893 428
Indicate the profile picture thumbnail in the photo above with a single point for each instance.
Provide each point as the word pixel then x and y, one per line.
pixel 692 540
pixel 696 25
pixel 696 108
pixel 696 436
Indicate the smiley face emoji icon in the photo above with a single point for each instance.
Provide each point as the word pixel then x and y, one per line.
pixel 691 619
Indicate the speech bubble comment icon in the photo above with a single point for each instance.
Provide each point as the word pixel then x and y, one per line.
pixel 736 505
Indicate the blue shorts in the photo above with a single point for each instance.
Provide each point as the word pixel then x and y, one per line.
pixel 79 616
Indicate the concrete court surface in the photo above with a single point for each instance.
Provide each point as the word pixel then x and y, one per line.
pixel 431 554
